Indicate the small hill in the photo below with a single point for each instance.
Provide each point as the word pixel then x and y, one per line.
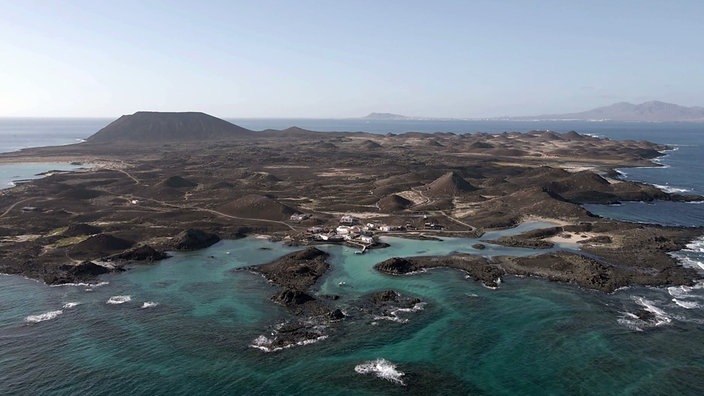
pixel 481 145
pixel 81 229
pixel 162 127
pixel 178 182
pixel 193 239
pixel 370 145
pixel 450 183
pixel 258 206
pixel 394 203
pixel 99 245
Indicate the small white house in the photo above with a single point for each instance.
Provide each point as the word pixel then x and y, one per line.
pixel 342 230
pixel 347 219
pixel 299 217
pixel 366 239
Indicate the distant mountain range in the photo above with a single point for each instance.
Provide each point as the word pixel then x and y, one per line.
pixel 653 111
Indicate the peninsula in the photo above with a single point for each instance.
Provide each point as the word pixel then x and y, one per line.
pixel 155 182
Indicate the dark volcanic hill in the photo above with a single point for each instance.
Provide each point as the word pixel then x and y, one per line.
pixel 450 184
pixel 148 126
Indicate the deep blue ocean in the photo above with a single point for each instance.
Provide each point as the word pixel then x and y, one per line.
pixel 190 324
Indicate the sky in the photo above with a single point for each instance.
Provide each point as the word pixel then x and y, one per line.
pixel 337 59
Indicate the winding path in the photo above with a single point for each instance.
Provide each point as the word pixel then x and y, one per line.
pixel 14 205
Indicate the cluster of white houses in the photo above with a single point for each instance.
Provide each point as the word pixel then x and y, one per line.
pixel 350 229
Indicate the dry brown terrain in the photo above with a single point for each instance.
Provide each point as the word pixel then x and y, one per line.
pixel 146 191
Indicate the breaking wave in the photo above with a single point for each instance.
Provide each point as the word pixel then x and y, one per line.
pixel 649 316
pixel 149 304
pixel 684 291
pixel 43 317
pixel 118 299
pixel 70 305
pixel 381 368
pixel 686 304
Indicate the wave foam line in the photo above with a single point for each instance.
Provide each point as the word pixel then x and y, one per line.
pixel 118 299
pixel 671 189
pixel 92 285
pixel 265 344
pixel 686 304
pixel 43 317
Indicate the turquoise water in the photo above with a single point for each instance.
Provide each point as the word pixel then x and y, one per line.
pixel 186 324
pixel 11 174
pixel 194 333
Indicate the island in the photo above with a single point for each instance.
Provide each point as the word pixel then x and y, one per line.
pixel 157 182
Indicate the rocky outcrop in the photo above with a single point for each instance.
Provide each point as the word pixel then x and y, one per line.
pixel 397 266
pixel 389 305
pixel 140 253
pixel 296 271
pixel 477 267
pixel 193 239
pixel 592 273
pixel 529 243
pixel 74 273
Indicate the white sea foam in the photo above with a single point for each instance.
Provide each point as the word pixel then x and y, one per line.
pixel 671 189
pixel 685 291
pixel 382 368
pixel 696 245
pixel 660 316
pixel 70 305
pixel 393 315
pixel 42 317
pixel 633 321
pixel 392 318
pixel 118 299
pixel 149 304
pixel 688 262
pixel 265 344
pixel 686 304
pixel 91 285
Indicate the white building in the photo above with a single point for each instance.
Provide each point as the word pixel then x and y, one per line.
pixel 366 239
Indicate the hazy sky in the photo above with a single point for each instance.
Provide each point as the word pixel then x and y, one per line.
pixel 301 58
